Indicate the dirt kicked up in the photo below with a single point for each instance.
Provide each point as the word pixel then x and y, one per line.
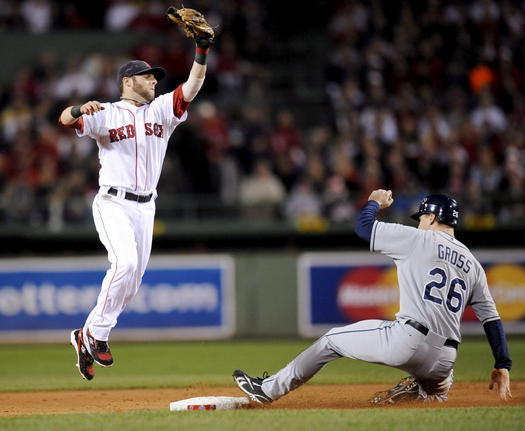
pixel 307 397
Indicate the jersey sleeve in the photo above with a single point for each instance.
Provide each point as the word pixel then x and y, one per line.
pixel 481 299
pixel 172 107
pixel 179 104
pixel 394 240
pixel 77 125
pixel 89 125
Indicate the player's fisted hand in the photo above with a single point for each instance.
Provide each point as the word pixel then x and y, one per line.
pixel 501 380
pixel 382 197
pixel 91 107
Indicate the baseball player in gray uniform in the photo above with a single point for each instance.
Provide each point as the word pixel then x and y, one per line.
pixel 438 277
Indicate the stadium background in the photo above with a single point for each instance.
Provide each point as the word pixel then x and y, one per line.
pixel 294 127
pixel 301 115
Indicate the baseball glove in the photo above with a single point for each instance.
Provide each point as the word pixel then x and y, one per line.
pixel 192 22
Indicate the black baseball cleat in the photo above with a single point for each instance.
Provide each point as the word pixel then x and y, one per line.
pixel 251 386
pixel 100 351
pixel 406 390
pixel 84 359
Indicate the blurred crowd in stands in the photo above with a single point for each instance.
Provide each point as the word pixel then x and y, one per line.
pixel 424 96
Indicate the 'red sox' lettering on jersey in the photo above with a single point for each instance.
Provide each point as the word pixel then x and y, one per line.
pixel 156 129
pixel 128 131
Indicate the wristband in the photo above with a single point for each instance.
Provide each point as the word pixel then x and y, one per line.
pixel 75 111
pixel 201 55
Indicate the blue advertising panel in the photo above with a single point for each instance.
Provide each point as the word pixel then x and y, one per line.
pixel 336 289
pixel 180 297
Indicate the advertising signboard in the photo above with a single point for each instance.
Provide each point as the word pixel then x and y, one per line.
pixel 336 289
pixel 180 297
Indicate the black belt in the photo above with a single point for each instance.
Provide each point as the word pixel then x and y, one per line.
pixel 132 196
pixel 424 331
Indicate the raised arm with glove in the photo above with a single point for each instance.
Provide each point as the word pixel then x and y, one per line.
pixel 194 25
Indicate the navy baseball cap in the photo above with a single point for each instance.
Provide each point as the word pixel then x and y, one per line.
pixel 139 67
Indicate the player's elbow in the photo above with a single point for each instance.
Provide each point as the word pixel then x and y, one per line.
pixel 363 228
pixel 126 264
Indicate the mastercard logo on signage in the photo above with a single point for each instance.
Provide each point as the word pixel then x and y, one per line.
pixel 372 293
pixel 369 293
pixel 507 285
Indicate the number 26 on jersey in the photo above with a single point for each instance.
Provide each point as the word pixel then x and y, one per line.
pixel 456 287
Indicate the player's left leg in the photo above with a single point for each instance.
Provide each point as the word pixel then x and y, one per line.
pixel 300 370
pixel 377 341
pixel 143 227
pixel 297 372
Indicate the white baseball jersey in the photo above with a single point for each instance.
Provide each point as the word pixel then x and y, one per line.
pixel 132 140
pixel 438 277
pixel 132 143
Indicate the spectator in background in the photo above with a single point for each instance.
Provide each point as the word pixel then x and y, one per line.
pixel 261 192
pixel 15 117
pixel 38 15
pixel 424 96
pixel 120 14
pixel 512 204
pixel 379 122
pixel 486 173
pixel 17 199
pixel 75 81
pixel 316 172
pixel 150 17
pixel 336 200
pixel 488 117
pixel 286 138
pixel 228 70
pixel 433 121
pixel 303 202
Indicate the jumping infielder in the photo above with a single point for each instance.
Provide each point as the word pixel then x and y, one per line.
pixel 438 277
pixel 132 137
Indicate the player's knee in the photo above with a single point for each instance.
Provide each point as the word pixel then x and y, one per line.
pixel 127 265
pixel 332 331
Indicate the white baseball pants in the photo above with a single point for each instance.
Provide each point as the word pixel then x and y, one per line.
pixel 126 230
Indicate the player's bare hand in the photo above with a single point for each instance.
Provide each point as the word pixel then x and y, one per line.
pixel 91 107
pixel 501 380
pixel 382 197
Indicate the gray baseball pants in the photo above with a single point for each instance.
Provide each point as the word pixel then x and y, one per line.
pixel 386 342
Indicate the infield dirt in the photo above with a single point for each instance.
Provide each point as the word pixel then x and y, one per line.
pixel 307 397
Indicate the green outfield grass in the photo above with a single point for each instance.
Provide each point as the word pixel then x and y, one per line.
pixel 507 418
pixel 178 364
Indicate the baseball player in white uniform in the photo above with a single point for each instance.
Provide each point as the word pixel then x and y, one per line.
pixel 438 277
pixel 132 136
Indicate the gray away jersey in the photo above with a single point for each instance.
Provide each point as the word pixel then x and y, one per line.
pixel 438 277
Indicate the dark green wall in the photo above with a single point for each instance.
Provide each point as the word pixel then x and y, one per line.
pixel 266 294
pixel 23 49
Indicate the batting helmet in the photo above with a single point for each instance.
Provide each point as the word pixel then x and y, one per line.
pixel 446 209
